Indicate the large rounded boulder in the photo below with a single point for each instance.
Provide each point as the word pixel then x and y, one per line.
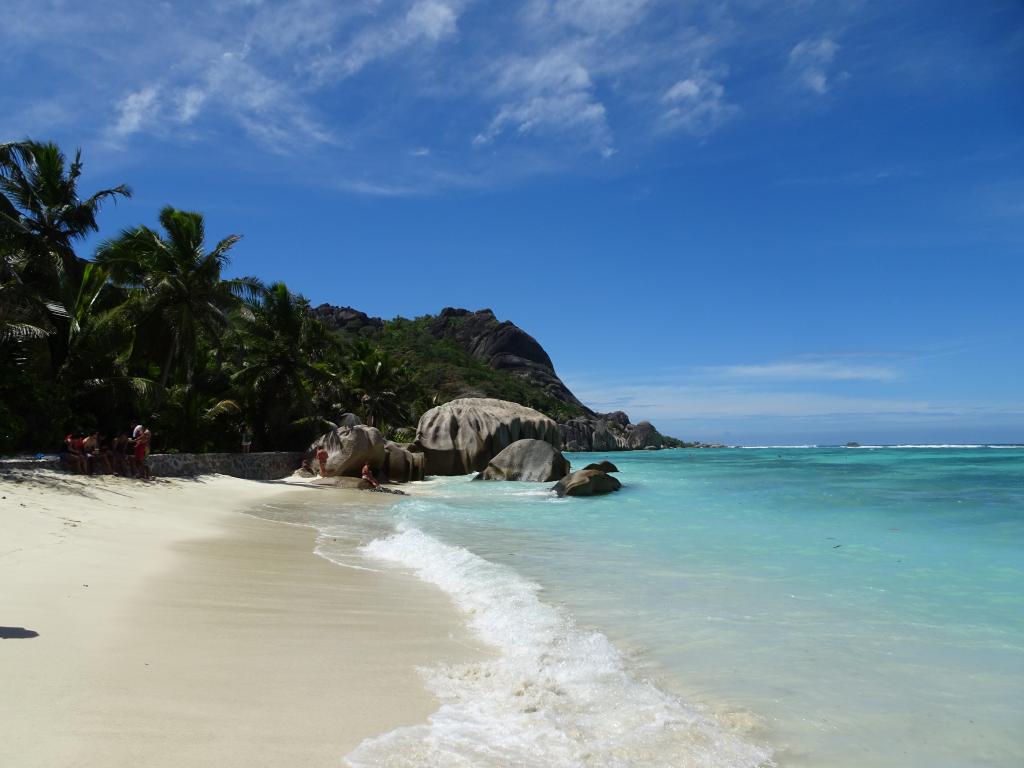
pixel 533 461
pixel 402 465
pixel 586 482
pixel 349 448
pixel 464 435
pixel 349 420
pixel 603 466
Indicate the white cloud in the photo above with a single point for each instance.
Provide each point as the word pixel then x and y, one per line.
pixel 431 20
pixel 378 189
pixel 190 102
pixel 227 86
pixel 822 370
pixel 667 402
pixel 810 62
pixel 426 21
pixel 696 104
pixel 594 16
pixel 137 110
pixel 552 94
pixel 542 84
pixel 709 403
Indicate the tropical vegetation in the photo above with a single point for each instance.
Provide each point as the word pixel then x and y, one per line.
pixel 152 327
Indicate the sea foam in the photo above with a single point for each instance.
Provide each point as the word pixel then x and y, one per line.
pixel 553 695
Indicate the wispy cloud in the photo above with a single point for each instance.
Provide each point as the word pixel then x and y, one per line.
pixel 712 403
pixel 137 110
pixel 696 104
pixel 425 22
pixel 229 86
pixel 592 16
pixel 495 89
pixel 805 370
pixel 553 94
pixel 811 62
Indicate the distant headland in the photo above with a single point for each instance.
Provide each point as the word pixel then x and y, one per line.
pixel 520 371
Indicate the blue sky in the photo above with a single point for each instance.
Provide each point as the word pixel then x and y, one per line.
pixel 758 221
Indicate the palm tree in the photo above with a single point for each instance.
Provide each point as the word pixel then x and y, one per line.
pixel 287 357
pixel 41 217
pixel 41 212
pixel 175 286
pixel 24 313
pixel 380 382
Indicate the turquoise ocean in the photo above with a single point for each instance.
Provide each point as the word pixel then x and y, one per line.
pixel 791 606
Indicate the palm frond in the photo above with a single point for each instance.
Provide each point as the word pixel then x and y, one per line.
pixel 223 407
pixel 22 332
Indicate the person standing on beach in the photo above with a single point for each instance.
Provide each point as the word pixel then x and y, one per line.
pixel 141 450
pixel 246 439
pixel 321 457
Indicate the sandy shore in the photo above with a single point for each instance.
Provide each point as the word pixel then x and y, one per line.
pixel 154 625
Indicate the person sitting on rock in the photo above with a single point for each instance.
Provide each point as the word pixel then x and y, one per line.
pixel 96 459
pixel 321 456
pixel 368 476
pixel 72 455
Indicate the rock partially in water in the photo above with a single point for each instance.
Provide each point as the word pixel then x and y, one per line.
pixel 402 465
pixel 587 482
pixel 349 448
pixel 611 432
pixel 533 461
pixel 603 466
pixel 464 435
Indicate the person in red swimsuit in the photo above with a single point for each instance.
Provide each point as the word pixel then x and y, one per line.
pixel 141 450
pixel 72 454
pixel 368 476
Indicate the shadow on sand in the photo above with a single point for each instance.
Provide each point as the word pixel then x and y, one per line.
pixel 17 633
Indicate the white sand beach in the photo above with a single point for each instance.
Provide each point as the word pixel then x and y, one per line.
pixel 153 624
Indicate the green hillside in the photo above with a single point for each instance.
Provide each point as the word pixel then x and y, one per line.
pixel 441 369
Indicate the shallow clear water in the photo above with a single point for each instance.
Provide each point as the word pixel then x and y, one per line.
pixel 830 607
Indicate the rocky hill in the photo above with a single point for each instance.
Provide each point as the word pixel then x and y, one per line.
pixel 504 347
pixel 460 353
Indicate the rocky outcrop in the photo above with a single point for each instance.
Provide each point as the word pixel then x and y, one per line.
pixel 464 435
pixel 503 346
pixel 402 465
pixel 349 448
pixel 587 482
pixel 349 420
pixel 533 461
pixel 611 432
pixel 603 466
pixel 347 319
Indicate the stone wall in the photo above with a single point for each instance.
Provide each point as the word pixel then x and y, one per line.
pixel 251 466
pixel 29 462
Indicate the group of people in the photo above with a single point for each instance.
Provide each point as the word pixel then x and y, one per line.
pixel 93 453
